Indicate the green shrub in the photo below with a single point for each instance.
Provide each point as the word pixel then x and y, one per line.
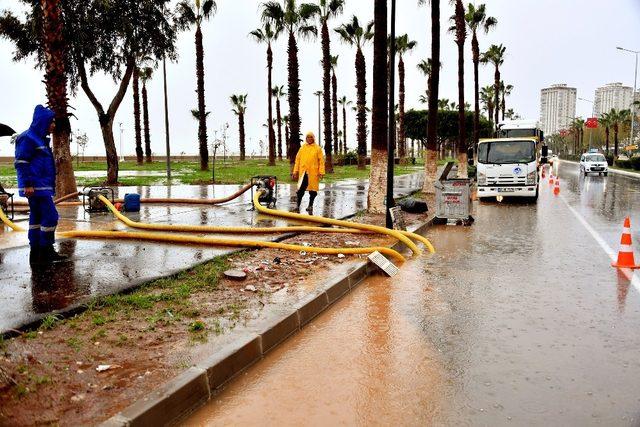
pixel 624 164
pixel 635 163
pixel 609 158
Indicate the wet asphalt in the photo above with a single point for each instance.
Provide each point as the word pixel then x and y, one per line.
pixel 104 267
pixel 516 320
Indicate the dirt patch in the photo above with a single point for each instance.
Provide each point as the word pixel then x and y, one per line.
pixel 84 369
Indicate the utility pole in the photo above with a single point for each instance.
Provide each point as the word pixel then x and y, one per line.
pixel 392 117
pixel 166 116
pixel 319 94
pixel 121 154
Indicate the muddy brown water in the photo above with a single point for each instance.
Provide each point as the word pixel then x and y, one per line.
pixel 517 320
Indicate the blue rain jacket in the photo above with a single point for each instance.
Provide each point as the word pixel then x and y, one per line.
pixel 34 159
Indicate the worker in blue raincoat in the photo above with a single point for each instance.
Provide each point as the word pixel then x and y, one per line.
pixel 36 172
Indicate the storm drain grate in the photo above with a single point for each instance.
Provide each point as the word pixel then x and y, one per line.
pixel 384 264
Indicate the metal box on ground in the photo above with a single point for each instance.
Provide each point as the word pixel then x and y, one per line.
pixel 453 199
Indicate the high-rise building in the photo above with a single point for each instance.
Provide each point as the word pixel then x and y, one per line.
pixel 557 108
pixel 612 95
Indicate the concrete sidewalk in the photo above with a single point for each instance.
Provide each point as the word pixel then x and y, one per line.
pixel 106 267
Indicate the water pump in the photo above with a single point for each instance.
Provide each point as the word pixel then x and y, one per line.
pixel 269 185
pixel 6 202
pixel 90 201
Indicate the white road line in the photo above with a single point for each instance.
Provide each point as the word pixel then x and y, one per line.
pixel 635 281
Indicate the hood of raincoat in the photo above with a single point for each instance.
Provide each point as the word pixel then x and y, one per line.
pixel 42 118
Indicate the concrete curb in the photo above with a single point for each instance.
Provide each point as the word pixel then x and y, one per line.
pixel 188 391
pixel 635 175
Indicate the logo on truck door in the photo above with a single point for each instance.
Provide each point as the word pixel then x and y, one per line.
pixel 517 170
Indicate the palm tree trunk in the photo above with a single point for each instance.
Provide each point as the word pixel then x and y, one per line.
pixel 279 120
pixel 136 114
pixel 462 128
pixel 294 99
pixel 475 47
pixel 402 137
pixel 56 85
pixel 606 133
pixel 344 130
pixel 361 106
pixel 497 98
pixel 326 97
pixel 242 136
pixel 272 136
pixel 334 111
pixel 504 105
pixel 432 120
pixel 286 136
pixel 379 112
pixel 202 114
pixel 145 120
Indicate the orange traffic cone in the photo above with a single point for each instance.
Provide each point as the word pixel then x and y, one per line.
pixel 544 172
pixel 556 189
pixel 551 179
pixel 625 254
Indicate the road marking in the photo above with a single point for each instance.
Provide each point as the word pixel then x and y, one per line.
pixel 635 281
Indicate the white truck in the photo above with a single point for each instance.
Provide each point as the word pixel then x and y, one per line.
pixel 508 165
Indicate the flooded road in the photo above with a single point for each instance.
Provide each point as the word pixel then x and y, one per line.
pixel 517 320
pixel 103 267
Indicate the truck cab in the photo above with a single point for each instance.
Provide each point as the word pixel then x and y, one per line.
pixel 508 167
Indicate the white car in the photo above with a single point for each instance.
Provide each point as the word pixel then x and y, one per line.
pixel 593 163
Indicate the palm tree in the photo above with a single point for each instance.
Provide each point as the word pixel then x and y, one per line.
pixel 403 46
pixel 189 14
pixel 379 111
pixel 495 55
pixel 505 90
pixel 430 163
pixel 145 75
pixel 327 9
pixel 278 92
pixel 55 79
pixel 487 96
pixel 477 19
pixel 285 122
pixel 424 98
pixel 296 21
pixel 510 114
pixel 618 118
pixel 444 104
pixel 355 35
pixel 268 34
pixel 239 103
pixel 460 30
pixel 344 103
pixel 136 113
pixel 334 104
pixel 606 122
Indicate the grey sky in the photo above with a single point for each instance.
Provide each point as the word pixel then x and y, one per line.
pixel 548 41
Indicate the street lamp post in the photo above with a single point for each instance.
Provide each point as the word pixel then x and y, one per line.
pixel 121 154
pixel 392 122
pixel 633 96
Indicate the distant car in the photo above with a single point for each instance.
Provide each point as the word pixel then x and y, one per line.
pixel 552 158
pixel 593 163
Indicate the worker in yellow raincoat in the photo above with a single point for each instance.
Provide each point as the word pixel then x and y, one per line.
pixel 308 170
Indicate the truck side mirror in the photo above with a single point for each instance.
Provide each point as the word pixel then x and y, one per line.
pixel 545 154
pixel 470 156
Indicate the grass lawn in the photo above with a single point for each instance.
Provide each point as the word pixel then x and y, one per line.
pixel 230 172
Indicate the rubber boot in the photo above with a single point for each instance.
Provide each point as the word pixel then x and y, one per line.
pixel 50 256
pixel 35 255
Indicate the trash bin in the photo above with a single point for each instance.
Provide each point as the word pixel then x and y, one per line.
pixel 453 199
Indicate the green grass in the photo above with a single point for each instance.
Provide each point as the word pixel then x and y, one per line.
pixel 230 172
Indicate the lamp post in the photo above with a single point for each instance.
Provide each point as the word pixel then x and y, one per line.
pixel 319 94
pixel 166 116
pixel 633 96
pixel 392 121
pixel 121 155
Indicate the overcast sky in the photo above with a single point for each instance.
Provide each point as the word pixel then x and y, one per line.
pixel 548 41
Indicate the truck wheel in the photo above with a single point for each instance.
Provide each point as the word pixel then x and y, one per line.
pixel 606 173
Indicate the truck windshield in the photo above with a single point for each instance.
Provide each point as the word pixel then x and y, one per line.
pixel 516 133
pixel 501 152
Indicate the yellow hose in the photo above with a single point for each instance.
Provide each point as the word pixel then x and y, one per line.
pixel 9 223
pixel 209 241
pixel 218 229
pixel 330 221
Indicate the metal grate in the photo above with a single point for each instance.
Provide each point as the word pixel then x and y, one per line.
pixel 384 264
